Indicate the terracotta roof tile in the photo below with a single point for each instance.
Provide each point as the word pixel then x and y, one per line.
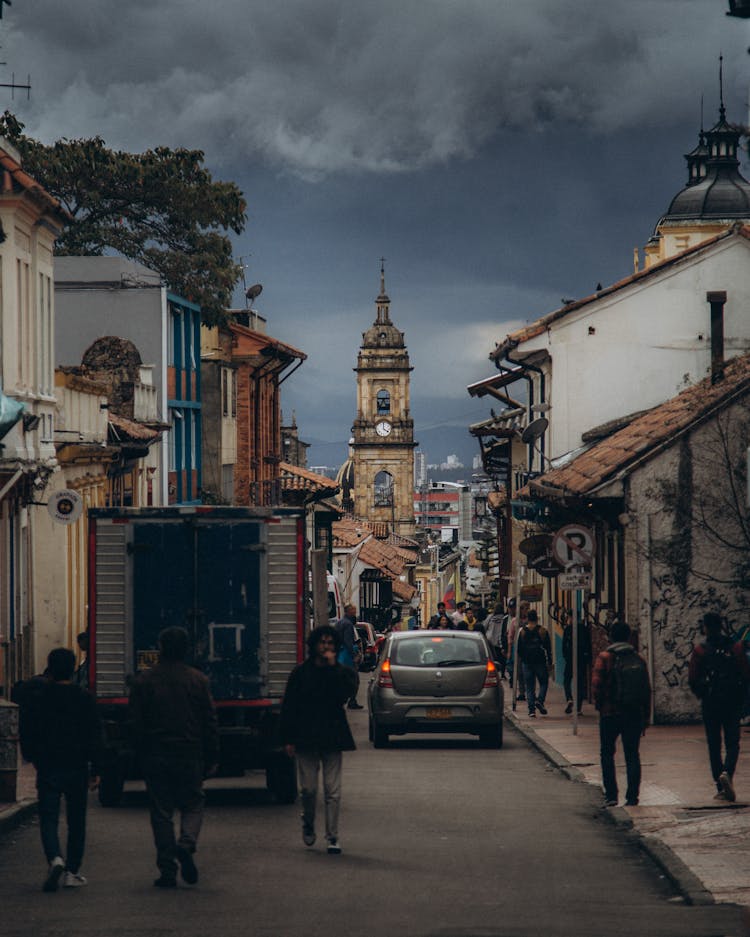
pixel 294 478
pixel 647 432
pixel 128 430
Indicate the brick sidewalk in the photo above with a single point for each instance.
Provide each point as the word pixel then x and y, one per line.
pixel 677 814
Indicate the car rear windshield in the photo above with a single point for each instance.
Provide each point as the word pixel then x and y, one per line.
pixel 437 650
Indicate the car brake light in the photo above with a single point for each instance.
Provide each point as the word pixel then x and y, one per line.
pixel 385 678
pixel 490 678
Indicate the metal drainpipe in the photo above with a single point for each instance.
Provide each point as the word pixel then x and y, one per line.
pixel 542 396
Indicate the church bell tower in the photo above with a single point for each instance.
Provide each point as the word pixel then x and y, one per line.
pixel 382 447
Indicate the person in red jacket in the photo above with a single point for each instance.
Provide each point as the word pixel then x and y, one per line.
pixel 718 674
pixel 622 695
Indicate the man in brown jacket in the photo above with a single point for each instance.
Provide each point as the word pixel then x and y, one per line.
pixel 177 742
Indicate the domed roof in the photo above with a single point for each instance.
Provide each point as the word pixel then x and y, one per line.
pixel 345 481
pixel 715 191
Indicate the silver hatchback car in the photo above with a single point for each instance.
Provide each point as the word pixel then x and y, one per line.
pixel 436 681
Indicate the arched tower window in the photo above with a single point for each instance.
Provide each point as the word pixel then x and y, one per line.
pixel 383 490
pixel 384 401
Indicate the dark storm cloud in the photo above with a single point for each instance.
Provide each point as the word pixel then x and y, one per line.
pixel 331 85
pixel 501 154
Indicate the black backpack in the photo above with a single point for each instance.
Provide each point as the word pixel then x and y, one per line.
pixel 630 689
pixel 721 680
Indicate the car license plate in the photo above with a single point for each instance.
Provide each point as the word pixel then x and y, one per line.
pixel 438 712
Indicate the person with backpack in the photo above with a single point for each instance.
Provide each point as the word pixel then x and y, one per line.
pixel 535 654
pixel 622 696
pixel 718 674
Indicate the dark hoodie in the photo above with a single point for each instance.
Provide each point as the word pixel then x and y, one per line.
pixel 59 726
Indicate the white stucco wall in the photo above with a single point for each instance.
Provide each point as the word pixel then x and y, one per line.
pixel 643 344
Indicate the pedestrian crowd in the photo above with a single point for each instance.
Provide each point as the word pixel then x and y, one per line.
pixel 719 676
pixel 176 734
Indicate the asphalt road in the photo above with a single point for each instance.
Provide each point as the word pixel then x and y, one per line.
pixel 441 839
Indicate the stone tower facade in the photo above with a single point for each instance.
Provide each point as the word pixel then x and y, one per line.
pixel 382 447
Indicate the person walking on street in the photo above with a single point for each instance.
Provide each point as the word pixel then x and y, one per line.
pixel 496 631
pixel 81 677
pixel 584 659
pixel 349 654
pixel 459 616
pixel 177 743
pixel 535 653
pixel 718 674
pixel 622 696
pixel 517 622
pixel 60 735
pixel 314 728
pixel 433 622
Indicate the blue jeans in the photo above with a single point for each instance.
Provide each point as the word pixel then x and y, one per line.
pixel 51 785
pixel 531 675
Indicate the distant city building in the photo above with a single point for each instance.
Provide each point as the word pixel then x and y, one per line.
pixel 330 471
pixel 442 505
pixel 420 469
pixel 451 463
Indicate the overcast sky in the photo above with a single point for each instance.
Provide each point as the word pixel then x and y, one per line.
pixel 500 155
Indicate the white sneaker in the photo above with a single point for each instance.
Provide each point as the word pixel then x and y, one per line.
pixel 334 847
pixel 74 880
pixel 56 869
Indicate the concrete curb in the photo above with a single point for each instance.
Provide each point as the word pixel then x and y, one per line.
pixel 684 880
pixel 14 815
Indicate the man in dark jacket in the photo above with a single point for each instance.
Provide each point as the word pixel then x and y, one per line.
pixel 177 742
pixel 718 674
pixel 624 706
pixel 535 653
pixel 315 729
pixel 60 736
pixel 584 659
pixel 349 653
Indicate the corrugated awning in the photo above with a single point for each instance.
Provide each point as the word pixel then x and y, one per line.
pixel 490 384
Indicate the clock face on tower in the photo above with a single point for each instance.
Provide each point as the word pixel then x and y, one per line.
pixel 383 428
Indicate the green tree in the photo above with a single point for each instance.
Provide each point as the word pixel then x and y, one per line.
pixel 161 208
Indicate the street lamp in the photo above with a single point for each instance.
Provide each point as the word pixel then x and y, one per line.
pixel 739 8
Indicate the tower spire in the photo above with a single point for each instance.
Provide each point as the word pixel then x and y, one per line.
pixel 383 301
pixel 722 109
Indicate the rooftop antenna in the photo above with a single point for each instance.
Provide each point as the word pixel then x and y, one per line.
pixel 722 111
pixel 13 84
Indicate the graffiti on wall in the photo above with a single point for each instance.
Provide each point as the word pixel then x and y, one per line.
pixel 676 618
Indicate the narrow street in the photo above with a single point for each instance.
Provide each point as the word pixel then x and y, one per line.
pixel 441 839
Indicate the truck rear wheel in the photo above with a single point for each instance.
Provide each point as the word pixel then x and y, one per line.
pixel 111 784
pixel 281 778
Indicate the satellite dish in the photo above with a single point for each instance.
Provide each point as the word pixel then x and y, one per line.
pixel 535 430
pixel 536 545
pixel 253 292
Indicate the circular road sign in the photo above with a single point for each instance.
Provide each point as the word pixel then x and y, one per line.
pixel 65 507
pixel 573 545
